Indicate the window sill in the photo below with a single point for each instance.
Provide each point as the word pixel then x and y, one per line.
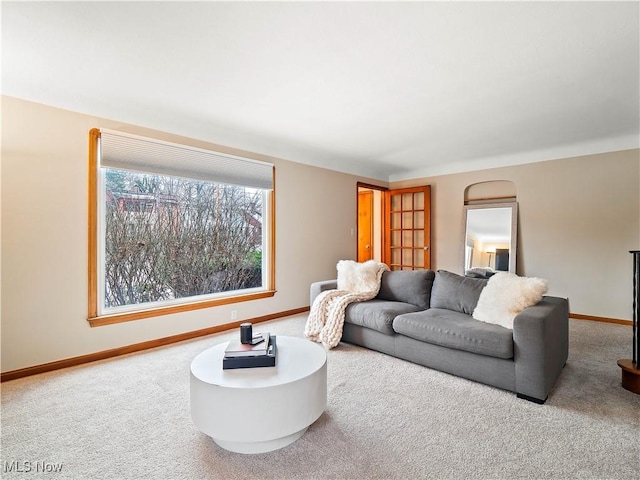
pixel 102 320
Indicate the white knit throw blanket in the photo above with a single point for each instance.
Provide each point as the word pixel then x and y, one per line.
pixel 357 282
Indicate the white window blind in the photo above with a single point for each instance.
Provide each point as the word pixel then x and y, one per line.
pixel 132 152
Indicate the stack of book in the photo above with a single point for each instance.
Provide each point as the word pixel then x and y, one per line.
pixel 249 355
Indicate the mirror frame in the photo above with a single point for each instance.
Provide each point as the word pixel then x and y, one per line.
pixel 514 230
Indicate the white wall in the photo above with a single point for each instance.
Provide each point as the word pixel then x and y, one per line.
pixel 578 219
pixel 44 239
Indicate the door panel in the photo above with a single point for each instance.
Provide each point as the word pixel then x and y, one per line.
pixel 365 226
pixel 408 228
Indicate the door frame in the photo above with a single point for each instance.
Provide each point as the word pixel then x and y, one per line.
pixel 380 238
pixel 366 248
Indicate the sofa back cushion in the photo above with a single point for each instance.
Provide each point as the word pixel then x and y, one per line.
pixel 455 292
pixel 408 286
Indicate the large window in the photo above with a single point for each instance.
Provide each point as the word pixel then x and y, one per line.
pixel 174 228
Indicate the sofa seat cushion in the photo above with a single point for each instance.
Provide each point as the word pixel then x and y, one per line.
pixel 377 314
pixel 456 330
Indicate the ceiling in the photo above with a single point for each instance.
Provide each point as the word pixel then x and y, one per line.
pixel 386 90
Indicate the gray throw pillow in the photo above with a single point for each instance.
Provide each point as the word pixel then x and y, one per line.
pixel 455 292
pixel 408 286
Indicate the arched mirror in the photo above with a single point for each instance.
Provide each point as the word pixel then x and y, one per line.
pixel 490 239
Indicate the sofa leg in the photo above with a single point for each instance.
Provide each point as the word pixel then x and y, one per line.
pixel 531 399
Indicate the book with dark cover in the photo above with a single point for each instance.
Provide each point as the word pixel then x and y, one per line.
pixel 267 360
pixel 238 349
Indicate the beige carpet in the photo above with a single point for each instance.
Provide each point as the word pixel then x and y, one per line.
pixel 128 418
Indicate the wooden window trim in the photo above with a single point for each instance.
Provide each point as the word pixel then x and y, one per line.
pixel 96 320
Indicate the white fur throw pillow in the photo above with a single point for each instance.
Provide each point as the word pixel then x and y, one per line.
pixel 357 277
pixel 506 295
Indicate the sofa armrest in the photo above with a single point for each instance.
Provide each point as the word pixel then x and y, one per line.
pixel 541 347
pixel 318 287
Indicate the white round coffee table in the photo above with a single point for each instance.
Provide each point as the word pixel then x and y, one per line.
pixel 256 410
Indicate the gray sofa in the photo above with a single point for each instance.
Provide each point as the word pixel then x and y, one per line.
pixel 425 317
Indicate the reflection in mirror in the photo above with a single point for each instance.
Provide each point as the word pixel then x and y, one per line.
pixel 490 239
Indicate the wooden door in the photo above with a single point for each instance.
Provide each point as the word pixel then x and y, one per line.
pixel 408 228
pixel 365 226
